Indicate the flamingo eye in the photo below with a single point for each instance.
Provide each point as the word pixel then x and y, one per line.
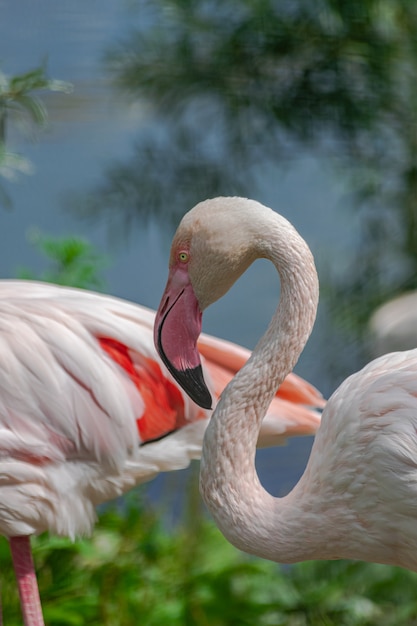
pixel 183 257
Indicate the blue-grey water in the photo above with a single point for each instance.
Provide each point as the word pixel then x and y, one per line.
pixel 93 126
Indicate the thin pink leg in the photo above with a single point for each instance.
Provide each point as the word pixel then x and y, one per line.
pixel 26 580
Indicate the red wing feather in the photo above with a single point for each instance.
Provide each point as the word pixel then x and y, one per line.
pixel 163 402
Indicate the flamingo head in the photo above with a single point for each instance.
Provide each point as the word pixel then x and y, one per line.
pixel 210 250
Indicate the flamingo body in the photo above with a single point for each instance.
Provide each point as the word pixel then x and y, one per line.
pixel 393 325
pixel 88 410
pixel 72 415
pixel 361 478
pixel 357 497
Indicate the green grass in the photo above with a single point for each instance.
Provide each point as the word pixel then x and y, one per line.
pixel 133 571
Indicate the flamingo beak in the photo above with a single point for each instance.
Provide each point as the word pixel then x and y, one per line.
pixel 177 328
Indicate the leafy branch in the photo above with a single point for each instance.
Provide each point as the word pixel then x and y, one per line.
pixel 20 101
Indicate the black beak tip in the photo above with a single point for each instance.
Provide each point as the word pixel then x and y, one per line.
pixel 204 400
pixel 191 379
pixel 193 383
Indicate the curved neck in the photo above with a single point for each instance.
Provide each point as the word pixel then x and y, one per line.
pixel 249 516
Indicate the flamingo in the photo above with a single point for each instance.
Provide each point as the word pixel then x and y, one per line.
pixel 357 497
pixel 88 410
pixel 393 325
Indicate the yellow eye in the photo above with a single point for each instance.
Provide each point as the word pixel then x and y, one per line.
pixel 183 257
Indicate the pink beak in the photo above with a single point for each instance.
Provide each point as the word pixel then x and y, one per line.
pixel 176 330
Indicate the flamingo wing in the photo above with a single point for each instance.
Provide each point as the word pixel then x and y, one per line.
pixel 80 370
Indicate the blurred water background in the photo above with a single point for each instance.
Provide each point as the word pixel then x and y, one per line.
pixel 98 128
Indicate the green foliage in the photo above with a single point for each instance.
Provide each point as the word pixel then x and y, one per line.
pixel 18 97
pixel 234 86
pixel 21 104
pixel 74 260
pixel 303 65
pixel 135 571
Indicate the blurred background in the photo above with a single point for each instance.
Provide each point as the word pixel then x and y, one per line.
pixel 116 117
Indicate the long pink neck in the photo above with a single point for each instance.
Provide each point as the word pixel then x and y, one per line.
pixel 249 516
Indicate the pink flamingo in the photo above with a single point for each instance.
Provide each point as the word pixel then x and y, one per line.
pixel 393 325
pixel 357 496
pixel 87 411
